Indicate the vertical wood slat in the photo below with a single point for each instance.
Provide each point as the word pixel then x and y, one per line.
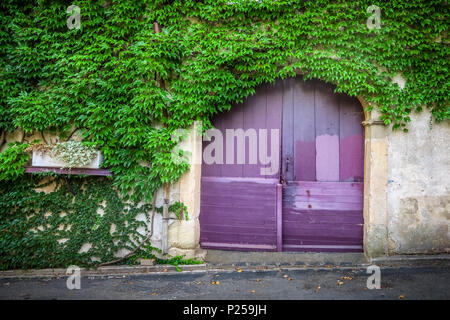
pixel 304 131
pixel 288 129
pixel 274 114
pixel 254 118
pixel 351 154
pixel 279 217
pixel 233 119
pixel 327 133
pixel 213 170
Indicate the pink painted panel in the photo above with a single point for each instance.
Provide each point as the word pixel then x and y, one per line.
pixel 327 158
pixel 351 158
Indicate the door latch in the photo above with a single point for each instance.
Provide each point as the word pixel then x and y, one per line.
pixel 288 160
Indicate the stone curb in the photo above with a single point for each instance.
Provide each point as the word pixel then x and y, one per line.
pixel 101 271
pixel 411 258
pixel 125 270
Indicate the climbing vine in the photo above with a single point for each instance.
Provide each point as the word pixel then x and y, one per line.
pixel 41 230
pixel 136 71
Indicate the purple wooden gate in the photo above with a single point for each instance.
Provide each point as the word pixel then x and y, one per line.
pixel 314 202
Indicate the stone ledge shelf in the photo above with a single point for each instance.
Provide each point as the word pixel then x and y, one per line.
pixel 83 171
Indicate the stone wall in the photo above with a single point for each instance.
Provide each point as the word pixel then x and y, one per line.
pixel 418 192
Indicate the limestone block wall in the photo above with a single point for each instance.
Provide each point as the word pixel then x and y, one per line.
pixel 184 235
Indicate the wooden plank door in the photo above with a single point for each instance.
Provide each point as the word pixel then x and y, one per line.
pixel 322 168
pixel 238 209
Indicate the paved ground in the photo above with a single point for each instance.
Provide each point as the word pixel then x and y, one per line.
pixel 431 281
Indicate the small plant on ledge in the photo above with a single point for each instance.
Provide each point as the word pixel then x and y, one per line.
pixel 73 153
pixel 66 155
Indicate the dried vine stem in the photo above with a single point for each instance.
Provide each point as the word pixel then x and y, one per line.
pixel 43 137
pixel 149 235
pixel 2 138
pixel 72 133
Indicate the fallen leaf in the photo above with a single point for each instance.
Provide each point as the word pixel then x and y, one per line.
pixel 401 296
pixel 258 280
pixel 239 270
pixel 165 270
pixel 252 291
pixel 198 282
pixel 340 282
pixel 154 294
pixel 317 289
pixel 290 279
pixel 285 276
pixel 347 278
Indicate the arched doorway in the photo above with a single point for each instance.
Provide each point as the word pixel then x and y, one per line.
pixel 298 190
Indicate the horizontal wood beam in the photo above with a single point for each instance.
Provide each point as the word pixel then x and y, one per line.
pixel 80 171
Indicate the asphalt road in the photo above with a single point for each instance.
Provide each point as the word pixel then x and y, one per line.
pixel 427 282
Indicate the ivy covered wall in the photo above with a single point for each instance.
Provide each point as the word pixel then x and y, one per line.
pixel 128 88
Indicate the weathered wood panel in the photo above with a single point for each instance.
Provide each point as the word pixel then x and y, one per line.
pixel 238 212
pixel 317 214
